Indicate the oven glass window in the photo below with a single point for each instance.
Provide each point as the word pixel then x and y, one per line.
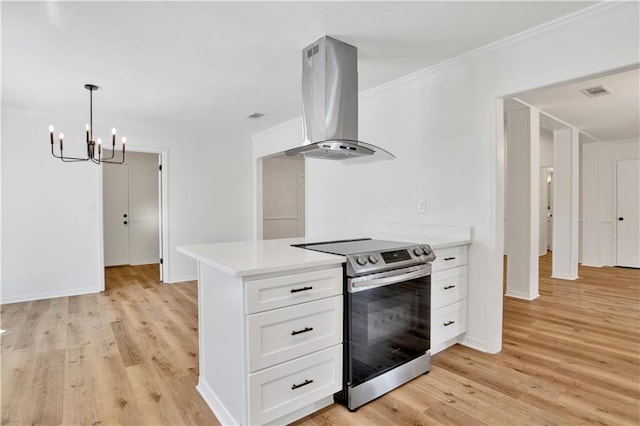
pixel 389 326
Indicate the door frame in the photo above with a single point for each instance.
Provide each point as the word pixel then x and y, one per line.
pixel 163 155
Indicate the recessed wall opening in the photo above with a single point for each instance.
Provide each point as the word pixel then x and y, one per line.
pixel 563 153
pixel 133 197
pixel 283 197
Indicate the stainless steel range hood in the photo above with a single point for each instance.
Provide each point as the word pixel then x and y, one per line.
pixel 330 103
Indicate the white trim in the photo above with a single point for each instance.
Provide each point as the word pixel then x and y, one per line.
pixel 145 262
pixel 540 31
pixel 281 218
pixel 214 403
pixel 523 296
pixel 50 295
pixel 175 280
pixel 564 277
pixel 163 153
pixel 100 218
pixel 479 345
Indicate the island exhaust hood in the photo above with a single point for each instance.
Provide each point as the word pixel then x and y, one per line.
pixel 330 104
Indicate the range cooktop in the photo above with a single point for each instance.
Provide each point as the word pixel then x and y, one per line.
pixel 366 255
pixel 346 247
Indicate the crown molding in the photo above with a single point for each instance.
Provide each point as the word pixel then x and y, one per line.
pixel 557 24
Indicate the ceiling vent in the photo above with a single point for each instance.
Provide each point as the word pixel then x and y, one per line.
pixel 256 115
pixel 592 92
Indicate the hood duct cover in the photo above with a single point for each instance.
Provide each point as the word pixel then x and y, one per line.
pixel 330 103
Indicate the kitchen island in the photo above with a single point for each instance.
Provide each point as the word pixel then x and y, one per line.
pixel 270 325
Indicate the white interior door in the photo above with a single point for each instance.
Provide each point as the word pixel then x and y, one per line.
pixel 628 213
pixel 115 179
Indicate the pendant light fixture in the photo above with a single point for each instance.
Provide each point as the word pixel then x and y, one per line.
pixel 92 155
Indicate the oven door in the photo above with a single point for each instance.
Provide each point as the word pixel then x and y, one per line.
pixel 388 321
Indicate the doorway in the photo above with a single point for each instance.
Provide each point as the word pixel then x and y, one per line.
pixel 627 213
pixel 283 197
pixel 133 212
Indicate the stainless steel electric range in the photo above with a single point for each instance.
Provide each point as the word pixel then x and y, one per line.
pixel 387 289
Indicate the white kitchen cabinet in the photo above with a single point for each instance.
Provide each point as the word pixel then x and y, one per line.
pixel 285 388
pixel 270 344
pixel 283 334
pixel 448 297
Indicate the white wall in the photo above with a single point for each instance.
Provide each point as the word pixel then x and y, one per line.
pixel 589 203
pixel 546 148
pixel 49 219
pixel 443 125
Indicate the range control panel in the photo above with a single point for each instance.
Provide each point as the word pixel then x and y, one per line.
pixel 377 261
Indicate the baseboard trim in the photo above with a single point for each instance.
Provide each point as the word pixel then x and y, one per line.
pixel 214 403
pixel 175 280
pixel 477 344
pixel 49 295
pixel 565 277
pixel 523 296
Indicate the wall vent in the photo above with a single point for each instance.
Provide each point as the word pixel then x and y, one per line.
pixel 592 92
pixel 256 115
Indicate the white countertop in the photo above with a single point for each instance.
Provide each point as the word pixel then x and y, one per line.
pixel 268 256
pixel 259 257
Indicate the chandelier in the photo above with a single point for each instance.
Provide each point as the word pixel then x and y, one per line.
pixel 92 155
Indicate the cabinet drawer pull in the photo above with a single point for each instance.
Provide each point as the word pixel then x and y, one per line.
pixel 306 382
pixel 294 332
pixel 295 290
pixel 450 258
pixel 448 323
pixel 449 286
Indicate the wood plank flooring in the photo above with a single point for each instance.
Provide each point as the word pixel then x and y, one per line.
pixel 130 356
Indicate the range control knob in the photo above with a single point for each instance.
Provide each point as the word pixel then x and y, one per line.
pixel 418 251
pixel 427 250
pixel 361 260
pixel 373 259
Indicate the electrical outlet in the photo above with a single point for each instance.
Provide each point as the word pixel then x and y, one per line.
pixel 422 206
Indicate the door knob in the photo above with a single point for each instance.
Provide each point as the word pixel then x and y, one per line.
pixel 621 219
pixel 125 222
pixel 124 215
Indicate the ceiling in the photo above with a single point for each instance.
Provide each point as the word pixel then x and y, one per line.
pixel 212 64
pixel 611 117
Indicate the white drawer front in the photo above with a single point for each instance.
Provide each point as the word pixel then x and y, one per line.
pixel 279 390
pixel 276 292
pixel 449 258
pixel 448 322
pixel 448 286
pixel 282 334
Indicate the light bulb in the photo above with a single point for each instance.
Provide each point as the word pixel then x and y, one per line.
pixel 51 129
pixel 124 140
pixel 113 131
pixel 99 141
pixel 61 136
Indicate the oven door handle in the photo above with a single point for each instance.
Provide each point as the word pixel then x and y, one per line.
pixel 362 283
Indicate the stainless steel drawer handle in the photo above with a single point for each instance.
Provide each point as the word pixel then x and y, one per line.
pixel 306 382
pixel 449 286
pixel 296 290
pixel 306 329
pixel 449 258
pixel 448 323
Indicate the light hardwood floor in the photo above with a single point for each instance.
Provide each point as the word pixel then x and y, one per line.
pixel 130 356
